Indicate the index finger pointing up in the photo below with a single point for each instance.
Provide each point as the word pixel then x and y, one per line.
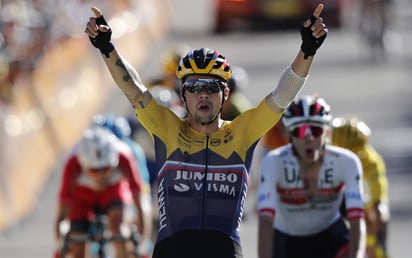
pixel 318 10
pixel 97 12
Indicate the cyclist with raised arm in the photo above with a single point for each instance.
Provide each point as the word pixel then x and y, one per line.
pixel 302 187
pixel 352 133
pixel 203 160
pixel 102 173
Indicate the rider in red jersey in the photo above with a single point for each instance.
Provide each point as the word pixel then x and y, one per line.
pixel 100 173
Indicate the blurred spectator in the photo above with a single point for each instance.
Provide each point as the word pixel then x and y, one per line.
pixel 24 36
pixel 169 60
pixel 277 136
pixel 237 102
pixel 29 27
pixel 5 83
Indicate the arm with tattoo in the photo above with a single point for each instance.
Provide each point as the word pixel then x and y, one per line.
pixel 124 75
pixel 128 80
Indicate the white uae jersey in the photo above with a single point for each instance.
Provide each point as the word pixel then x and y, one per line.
pixel 281 193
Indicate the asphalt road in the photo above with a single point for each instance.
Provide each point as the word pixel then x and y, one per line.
pixel 342 73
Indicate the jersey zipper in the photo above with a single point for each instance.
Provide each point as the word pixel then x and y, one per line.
pixel 205 182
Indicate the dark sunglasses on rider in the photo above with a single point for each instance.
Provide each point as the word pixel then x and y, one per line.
pixel 198 85
pixel 302 130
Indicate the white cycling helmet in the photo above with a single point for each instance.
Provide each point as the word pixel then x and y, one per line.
pixel 307 109
pixel 97 149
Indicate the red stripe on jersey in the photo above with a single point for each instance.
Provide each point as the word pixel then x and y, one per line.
pixel 267 211
pixel 298 195
pixel 355 213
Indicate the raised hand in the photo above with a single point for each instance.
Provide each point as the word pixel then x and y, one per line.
pixel 99 32
pixel 313 32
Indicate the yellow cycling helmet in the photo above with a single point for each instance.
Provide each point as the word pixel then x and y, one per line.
pixel 349 132
pixel 204 61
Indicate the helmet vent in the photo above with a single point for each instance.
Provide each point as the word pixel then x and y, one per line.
pixel 316 109
pixel 308 109
pixel 297 110
pixel 204 61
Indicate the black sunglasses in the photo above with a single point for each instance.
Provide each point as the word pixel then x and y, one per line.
pixel 301 130
pixel 198 85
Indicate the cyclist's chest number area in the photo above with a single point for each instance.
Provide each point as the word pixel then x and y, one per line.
pixel 224 141
pixel 308 178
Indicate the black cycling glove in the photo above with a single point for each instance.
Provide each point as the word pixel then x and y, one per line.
pixel 309 43
pixel 103 39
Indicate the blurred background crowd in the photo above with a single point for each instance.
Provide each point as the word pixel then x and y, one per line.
pixel 50 86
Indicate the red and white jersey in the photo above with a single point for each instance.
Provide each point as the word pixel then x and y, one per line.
pixel 75 178
pixel 281 193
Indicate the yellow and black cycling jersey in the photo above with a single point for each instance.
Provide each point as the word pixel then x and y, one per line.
pixel 202 178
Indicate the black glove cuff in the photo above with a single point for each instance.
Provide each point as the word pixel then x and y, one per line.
pixel 103 39
pixel 106 49
pixel 307 51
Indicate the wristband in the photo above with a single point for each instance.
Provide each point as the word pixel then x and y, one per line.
pixel 288 87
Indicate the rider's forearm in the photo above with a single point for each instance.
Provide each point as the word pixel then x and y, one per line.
pixel 300 65
pixel 265 236
pixel 57 228
pixel 62 212
pixel 127 79
pixel 357 238
pixel 140 219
